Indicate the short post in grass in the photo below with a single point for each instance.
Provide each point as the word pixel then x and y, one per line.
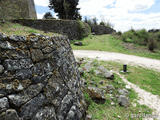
pixel 124 68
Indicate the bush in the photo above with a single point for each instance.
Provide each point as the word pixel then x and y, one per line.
pixel 142 37
pixel 128 36
pixel 152 41
pixel 102 23
pixel 138 37
pixel 119 33
pixel 84 29
pixel 48 15
pixel 158 36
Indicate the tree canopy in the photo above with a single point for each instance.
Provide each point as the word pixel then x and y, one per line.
pixel 48 15
pixel 66 9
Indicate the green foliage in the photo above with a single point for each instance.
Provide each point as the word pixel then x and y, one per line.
pixel 48 15
pixel 138 37
pixel 152 42
pixel 142 37
pixel 94 21
pixel 84 29
pixel 112 44
pixel 146 79
pixel 107 111
pixel 66 9
pixel 17 29
pixel 102 23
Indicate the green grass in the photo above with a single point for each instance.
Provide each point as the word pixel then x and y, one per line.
pixel 17 29
pixel 107 111
pixel 146 79
pixel 112 44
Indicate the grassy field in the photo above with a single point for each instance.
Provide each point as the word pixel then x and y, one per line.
pixel 111 44
pixel 146 79
pixel 17 29
pixel 112 112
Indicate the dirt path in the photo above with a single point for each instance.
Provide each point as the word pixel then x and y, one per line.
pixel 145 98
pixel 118 57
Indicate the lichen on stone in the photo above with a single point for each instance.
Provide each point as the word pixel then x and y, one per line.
pixel 39 79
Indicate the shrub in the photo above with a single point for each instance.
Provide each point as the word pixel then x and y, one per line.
pixel 102 23
pixel 142 37
pixel 84 29
pixel 151 44
pixel 128 36
pixel 48 15
pixel 119 33
pixel 138 37
pixel 158 36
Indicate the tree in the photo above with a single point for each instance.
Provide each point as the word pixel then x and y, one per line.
pixel 48 15
pixel 66 9
pixel 86 19
pixel 102 23
pixel 95 21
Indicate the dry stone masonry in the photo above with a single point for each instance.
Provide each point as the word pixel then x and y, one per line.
pixel 75 30
pixel 15 9
pixel 39 79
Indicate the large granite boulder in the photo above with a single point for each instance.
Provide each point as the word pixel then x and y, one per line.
pixel 39 79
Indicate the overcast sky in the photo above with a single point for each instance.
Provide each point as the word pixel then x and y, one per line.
pixel 123 14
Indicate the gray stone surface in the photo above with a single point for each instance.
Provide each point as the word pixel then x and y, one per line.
pixel 1 69
pixel 40 80
pixel 26 95
pixel 11 114
pixel 123 92
pixel 88 66
pixel 101 70
pixel 15 9
pixel 101 29
pixel 47 113
pixel 73 29
pixel 96 94
pixel 4 104
pixel 78 43
pixel 123 101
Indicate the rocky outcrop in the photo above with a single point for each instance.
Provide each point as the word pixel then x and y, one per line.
pixel 15 9
pixel 39 79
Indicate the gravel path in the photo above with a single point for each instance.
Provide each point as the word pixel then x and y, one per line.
pixel 118 57
pixel 145 98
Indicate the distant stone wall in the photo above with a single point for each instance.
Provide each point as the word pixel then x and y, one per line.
pixel 15 9
pixel 100 29
pixel 71 28
pixel 39 79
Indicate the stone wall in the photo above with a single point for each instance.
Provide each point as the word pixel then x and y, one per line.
pixel 15 9
pixel 73 29
pixel 101 29
pixel 39 79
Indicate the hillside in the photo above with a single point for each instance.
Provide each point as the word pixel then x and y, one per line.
pixel 112 44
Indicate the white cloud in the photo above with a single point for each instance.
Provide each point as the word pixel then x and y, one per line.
pixel 123 14
pixel 134 5
pixel 44 3
pixel 40 16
